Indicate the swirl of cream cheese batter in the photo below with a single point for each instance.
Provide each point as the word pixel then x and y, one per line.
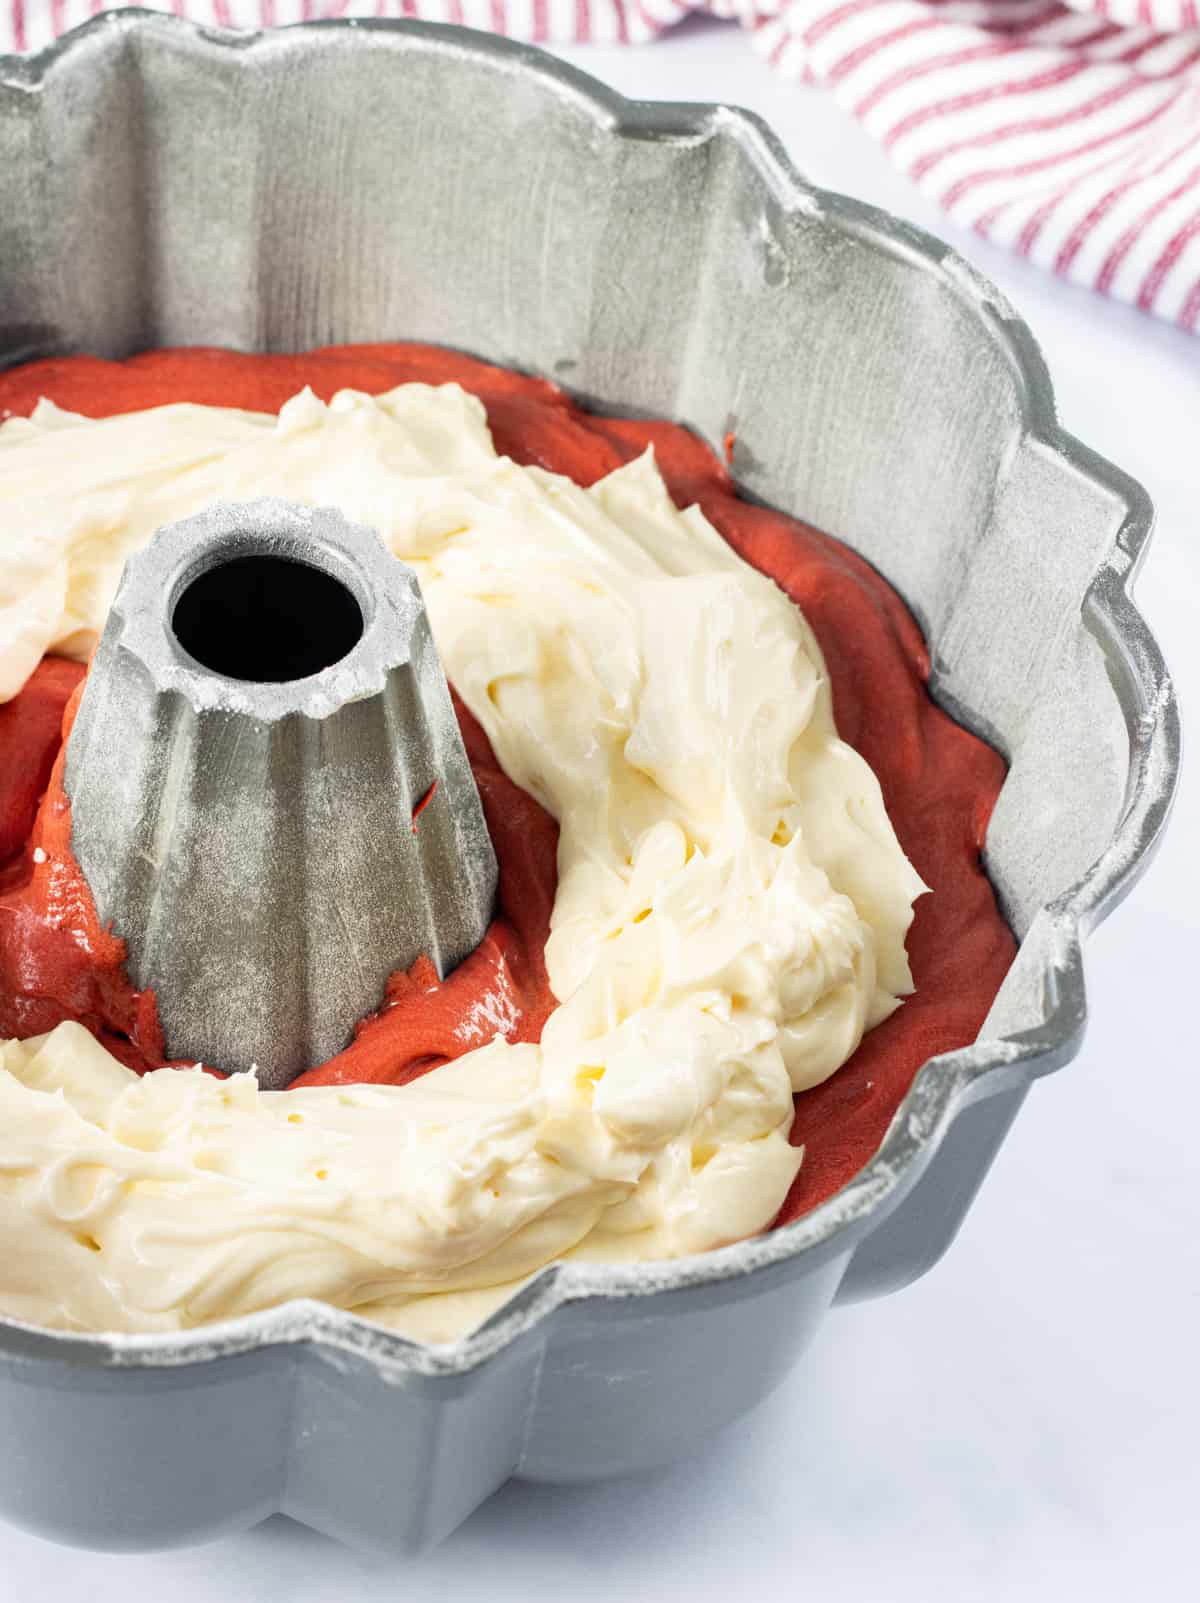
pixel 730 918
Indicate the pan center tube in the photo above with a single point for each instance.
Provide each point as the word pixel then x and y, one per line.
pixel 270 797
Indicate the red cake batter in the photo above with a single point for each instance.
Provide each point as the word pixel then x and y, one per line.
pixel 939 782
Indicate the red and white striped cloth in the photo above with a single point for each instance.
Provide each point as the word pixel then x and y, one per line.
pixel 1068 132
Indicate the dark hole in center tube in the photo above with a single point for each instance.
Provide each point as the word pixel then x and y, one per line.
pixel 267 619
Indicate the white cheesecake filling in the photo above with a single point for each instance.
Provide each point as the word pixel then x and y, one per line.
pixel 730 918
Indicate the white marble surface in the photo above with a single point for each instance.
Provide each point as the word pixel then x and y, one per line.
pixel 1022 1424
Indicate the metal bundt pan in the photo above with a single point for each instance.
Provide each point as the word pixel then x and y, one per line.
pixel 166 185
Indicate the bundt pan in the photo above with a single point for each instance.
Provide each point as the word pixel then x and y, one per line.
pixel 166 185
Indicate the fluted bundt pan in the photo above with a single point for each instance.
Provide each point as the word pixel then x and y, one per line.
pixel 163 185
pixel 270 799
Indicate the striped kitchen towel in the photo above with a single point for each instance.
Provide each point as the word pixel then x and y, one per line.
pixel 1067 132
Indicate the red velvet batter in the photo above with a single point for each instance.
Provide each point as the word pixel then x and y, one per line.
pixel 939 782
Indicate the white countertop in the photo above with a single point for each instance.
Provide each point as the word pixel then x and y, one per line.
pixel 1021 1424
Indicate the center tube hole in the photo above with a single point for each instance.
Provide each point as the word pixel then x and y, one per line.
pixel 267 619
